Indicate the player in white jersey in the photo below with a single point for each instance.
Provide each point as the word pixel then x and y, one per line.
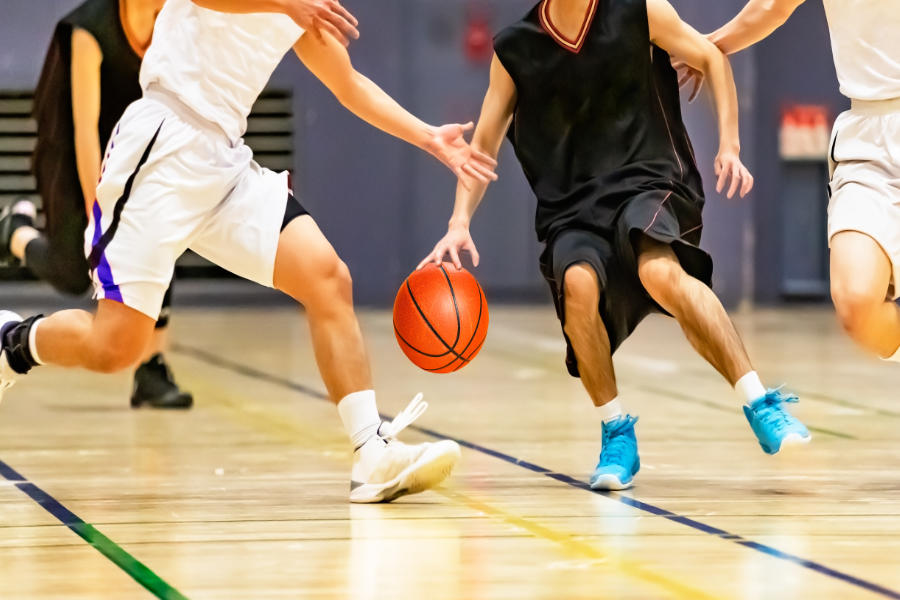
pixel 176 175
pixel 864 156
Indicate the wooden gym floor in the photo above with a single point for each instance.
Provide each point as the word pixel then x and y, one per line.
pixel 246 495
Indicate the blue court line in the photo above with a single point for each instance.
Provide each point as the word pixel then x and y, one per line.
pixel 251 372
pixel 105 546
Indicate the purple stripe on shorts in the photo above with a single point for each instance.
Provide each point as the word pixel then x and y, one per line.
pixel 111 291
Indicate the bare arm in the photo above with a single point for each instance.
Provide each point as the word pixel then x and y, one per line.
pixel 496 115
pixel 757 20
pixel 330 63
pixel 86 59
pixel 670 33
pixel 311 15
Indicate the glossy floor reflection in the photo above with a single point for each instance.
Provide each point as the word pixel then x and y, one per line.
pixel 245 496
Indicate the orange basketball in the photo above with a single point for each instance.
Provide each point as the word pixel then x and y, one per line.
pixel 440 318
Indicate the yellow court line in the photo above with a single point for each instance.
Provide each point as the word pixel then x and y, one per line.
pixel 285 427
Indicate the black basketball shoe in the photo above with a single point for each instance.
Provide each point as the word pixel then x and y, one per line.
pixel 154 386
pixel 21 213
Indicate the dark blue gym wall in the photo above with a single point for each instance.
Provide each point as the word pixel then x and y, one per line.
pixel 383 205
pixel 794 67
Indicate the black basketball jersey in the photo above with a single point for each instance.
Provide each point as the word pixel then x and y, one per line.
pixel 597 119
pixel 53 161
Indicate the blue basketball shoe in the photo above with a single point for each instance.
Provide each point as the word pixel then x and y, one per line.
pixel 619 460
pixel 773 425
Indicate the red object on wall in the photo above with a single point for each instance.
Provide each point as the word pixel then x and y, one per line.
pixel 478 42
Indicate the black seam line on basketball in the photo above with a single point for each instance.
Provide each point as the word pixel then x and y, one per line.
pixel 427 322
pixel 817 567
pixel 403 339
pixel 455 305
pixel 462 352
pixel 474 332
pixel 135 569
pixel 98 250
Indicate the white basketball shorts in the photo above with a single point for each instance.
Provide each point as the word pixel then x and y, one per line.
pixel 865 177
pixel 172 181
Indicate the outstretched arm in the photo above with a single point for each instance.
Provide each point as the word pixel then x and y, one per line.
pixel 330 63
pixel 496 115
pixel 670 33
pixel 757 20
pixel 311 15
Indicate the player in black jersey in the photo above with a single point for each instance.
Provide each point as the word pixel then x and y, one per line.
pixel 587 95
pixel 90 76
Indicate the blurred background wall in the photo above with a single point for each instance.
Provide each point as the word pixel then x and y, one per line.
pixel 384 205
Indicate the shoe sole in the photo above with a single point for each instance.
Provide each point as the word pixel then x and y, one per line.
pixel 611 483
pixel 792 440
pixel 433 467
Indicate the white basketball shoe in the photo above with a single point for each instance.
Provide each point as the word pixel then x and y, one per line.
pixel 7 375
pixel 385 468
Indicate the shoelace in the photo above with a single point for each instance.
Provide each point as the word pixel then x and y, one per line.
pixel 615 445
pixel 413 411
pixel 770 410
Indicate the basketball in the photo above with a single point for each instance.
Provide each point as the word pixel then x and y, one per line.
pixel 440 318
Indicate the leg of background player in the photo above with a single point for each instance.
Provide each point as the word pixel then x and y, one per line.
pixel 712 334
pixel 619 460
pixel 860 276
pixel 309 270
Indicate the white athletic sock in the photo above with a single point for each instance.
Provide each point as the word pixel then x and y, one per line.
pixel 750 387
pixel 610 411
pixel 32 341
pixel 895 357
pixel 360 416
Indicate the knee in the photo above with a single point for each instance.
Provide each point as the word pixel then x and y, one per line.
pixel 333 289
pixel 660 275
pixel 114 355
pixel 581 294
pixel 854 304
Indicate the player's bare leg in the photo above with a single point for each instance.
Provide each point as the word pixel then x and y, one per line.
pixel 696 308
pixel 619 460
pixel 860 277
pixel 309 270
pixel 586 331
pixel 709 330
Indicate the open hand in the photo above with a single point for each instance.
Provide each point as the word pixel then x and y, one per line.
pixel 449 146
pixel 457 238
pixel 728 164
pixel 317 16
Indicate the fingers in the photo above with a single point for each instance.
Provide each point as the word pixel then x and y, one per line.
pixel 426 260
pixel 337 15
pixel 462 177
pixel 321 24
pixel 468 126
pixel 339 8
pixel 484 158
pixel 471 172
pixel 722 174
pixel 735 172
pixel 748 182
pixel 454 257
pixel 698 85
pixel 487 175
pixel 470 246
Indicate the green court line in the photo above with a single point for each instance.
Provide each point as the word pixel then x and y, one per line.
pixel 134 568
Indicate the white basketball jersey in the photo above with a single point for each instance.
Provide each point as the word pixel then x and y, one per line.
pixel 216 63
pixel 865 39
